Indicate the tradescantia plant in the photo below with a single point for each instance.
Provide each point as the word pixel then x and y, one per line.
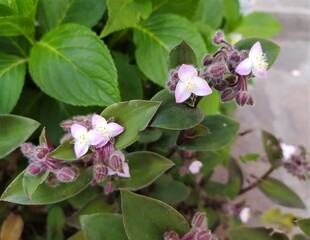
pixel 132 99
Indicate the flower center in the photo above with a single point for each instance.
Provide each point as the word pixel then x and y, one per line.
pixel 261 62
pixel 103 130
pixel 83 140
pixel 190 85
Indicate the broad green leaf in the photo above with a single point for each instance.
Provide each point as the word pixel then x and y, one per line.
pixel 71 64
pixel 152 219
pixel 14 130
pixel 55 223
pixel 81 199
pixel 246 233
pixel 269 48
pixel 45 194
pixel 125 13
pixel 259 24
pixel 155 38
pixel 222 130
pixel 52 13
pixel 272 148
pixel 31 183
pixel 64 151
pixel 169 190
pixel 304 225
pixel 15 46
pixel 231 14
pixel 280 193
pixel 12 77
pixel 77 236
pixel 210 104
pixel 235 179
pixel 149 135
pixel 107 226
pixel 145 167
pixel 165 142
pixel 95 205
pixel 134 116
pixel 129 81
pixel 182 54
pixel 174 116
pixel 210 12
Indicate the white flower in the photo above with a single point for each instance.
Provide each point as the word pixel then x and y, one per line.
pixel 195 166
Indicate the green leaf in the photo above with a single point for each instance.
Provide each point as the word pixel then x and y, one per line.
pixel 173 116
pixel 210 12
pixel 64 151
pixel 155 38
pixel 153 219
pixel 107 226
pixel 12 77
pixel 210 104
pixel 71 64
pixel 182 54
pixel 274 216
pixel 259 24
pixel 52 13
pixel 272 148
pixel 31 183
pixel 149 135
pixel 250 157
pixel 16 131
pixel 55 223
pixel 269 48
pixel 95 205
pixel 18 46
pixel 44 194
pixel 280 193
pixel 235 179
pixel 165 142
pixel 145 167
pixel 231 14
pixel 125 13
pixel 134 116
pixel 128 78
pixel 169 190
pixel 77 236
pixel 222 130
pixel 304 225
pixel 246 233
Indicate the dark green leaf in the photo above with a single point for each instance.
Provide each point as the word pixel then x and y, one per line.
pixel 12 77
pixel 173 116
pixel 182 54
pixel 30 183
pixel 269 48
pixel 145 168
pixel 149 135
pixel 107 226
pixel 77 236
pixel 45 194
pixel 73 57
pixel 304 225
pixel 210 12
pixel 210 104
pixel 14 130
pixel 280 193
pixel 65 151
pixel 55 224
pixel 52 13
pixel 235 179
pixel 246 233
pixel 231 14
pixel 153 219
pixel 166 141
pixel 222 130
pixel 272 148
pixel 15 46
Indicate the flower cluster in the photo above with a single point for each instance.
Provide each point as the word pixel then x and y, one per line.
pixel 199 230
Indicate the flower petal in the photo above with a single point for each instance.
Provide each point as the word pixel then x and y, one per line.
pixel 94 137
pixel 126 173
pixel 245 67
pixel 259 72
pixel 187 72
pixel 80 149
pixel 115 129
pixel 78 130
pixel 98 121
pixel 202 88
pixel 256 51
pixel 104 141
pixel 111 172
pixel 181 92
pixel 195 166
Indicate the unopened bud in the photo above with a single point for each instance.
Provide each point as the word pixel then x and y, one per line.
pixel 67 174
pixel 171 236
pixel 190 235
pixel 34 169
pixel 231 80
pixel 204 235
pixel 108 188
pixel 218 37
pixel 199 221
pixel 173 80
pixel 41 151
pixel 242 98
pixel 115 163
pixel 27 149
pixel 100 173
pixel 228 95
pixel 217 70
pixel 250 101
pixel 219 85
pixel 208 59
pixel 52 181
pixel 66 125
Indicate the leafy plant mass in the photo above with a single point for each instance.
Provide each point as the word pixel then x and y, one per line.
pixel 131 99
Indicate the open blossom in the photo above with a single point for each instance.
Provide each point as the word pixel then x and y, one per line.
pixel 118 165
pixel 255 63
pixel 190 83
pixel 104 130
pixel 288 151
pixel 195 166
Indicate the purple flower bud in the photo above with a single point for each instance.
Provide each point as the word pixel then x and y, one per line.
pixel 67 174
pixel 199 221
pixel 52 181
pixel 108 188
pixel 204 235
pixel 208 59
pixel 27 150
pixel 218 37
pixel 115 163
pixel 173 80
pixel 34 169
pixel 66 125
pixel 242 98
pixel 217 70
pixel 219 85
pixel 250 101
pixel 231 80
pixel 190 235
pixel 171 236
pixel 100 173
pixel 228 95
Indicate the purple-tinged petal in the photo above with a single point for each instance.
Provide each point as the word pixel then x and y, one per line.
pixel 98 121
pixel 245 67
pixel 186 72
pixel 195 166
pixel 256 52
pixel 80 149
pixel 111 172
pixel 201 88
pixel 78 130
pixel 94 137
pixel 115 129
pixel 104 141
pixel 259 72
pixel 181 92
pixel 126 173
